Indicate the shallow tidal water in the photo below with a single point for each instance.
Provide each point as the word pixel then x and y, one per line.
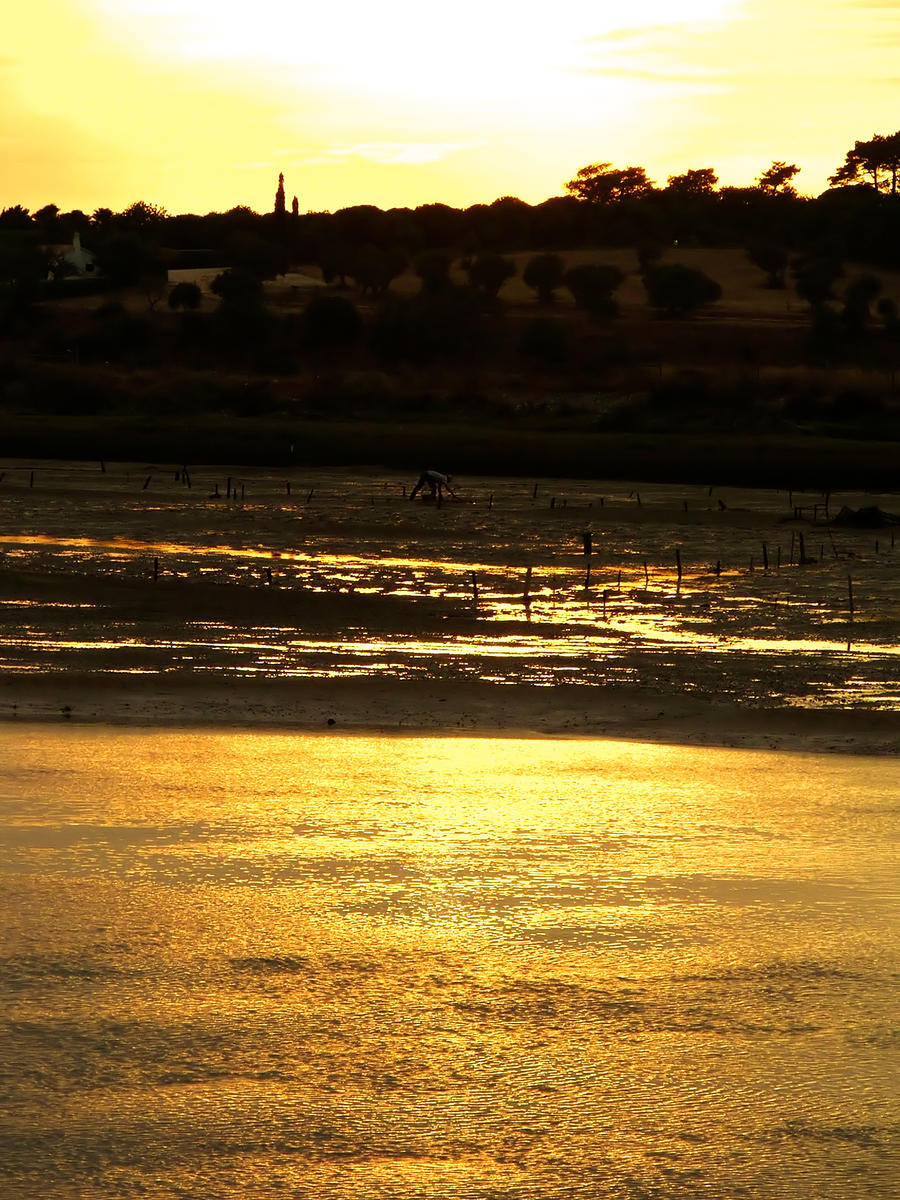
pixel 243 964
pixel 754 596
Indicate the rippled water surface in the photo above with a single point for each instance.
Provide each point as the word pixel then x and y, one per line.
pixel 253 965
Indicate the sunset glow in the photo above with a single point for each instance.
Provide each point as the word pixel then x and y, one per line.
pixel 191 106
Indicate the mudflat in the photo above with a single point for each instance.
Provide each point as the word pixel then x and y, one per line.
pixel 324 600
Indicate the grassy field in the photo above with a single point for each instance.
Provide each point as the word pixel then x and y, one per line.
pixel 730 395
pixel 743 293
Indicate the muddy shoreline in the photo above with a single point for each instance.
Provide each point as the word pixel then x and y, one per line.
pixel 452 708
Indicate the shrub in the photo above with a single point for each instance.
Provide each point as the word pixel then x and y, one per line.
pixel 772 258
pixel 330 322
pixel 185 295
pixel 592 286
pixel 544 273
pixel 677 290
pixel 490 271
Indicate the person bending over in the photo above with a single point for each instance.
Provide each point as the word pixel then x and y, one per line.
pixel 435 482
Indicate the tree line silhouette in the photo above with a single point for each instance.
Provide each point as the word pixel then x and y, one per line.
pixel 461 258
pixel 604 205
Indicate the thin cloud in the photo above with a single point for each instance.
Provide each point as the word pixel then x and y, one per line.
pixel 397 153
pixel 668 53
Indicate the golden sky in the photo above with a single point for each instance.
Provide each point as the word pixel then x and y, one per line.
pixel 196 105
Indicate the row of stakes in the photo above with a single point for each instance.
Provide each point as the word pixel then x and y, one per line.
pixel 231 492
pixel 607 592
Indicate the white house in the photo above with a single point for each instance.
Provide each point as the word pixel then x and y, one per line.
pixel 83 263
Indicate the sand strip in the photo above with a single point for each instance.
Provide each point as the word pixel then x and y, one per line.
pixel 390 706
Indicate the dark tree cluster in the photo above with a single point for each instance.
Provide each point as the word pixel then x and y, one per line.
pixel 451 313
pixel 604 205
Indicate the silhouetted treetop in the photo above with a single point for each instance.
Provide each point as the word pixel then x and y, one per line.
pixel 875 162
pixel 602 183
pixel 698 182
pixel 776 180
pixel 141 217
pixel 16 217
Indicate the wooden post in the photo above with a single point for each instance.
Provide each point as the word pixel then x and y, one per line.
pixel 474 588
pixel 718 567
pixel 765 550
pixel 287 487
pixel 31 479
pixel 778 560
pixel 678 563
pixel 586 539
pixel 269 575
pixel 243 491
pixel 102 467
pixel 186 476
pixel 490 501
pixel 146 483
pixel 793 536
pixel 638 495
pixel 228 488
pixel 535 492
pixel 525 595
pixel 553 502
pixel 310 495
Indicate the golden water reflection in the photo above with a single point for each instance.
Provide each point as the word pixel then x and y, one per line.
pixel 245 964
